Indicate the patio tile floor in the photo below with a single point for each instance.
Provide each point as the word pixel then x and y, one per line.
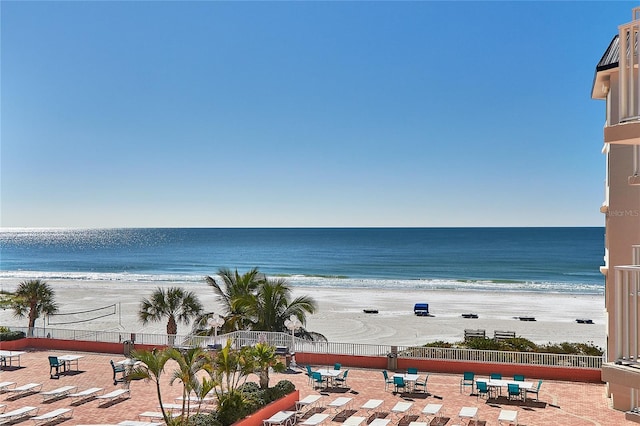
pixel 561 403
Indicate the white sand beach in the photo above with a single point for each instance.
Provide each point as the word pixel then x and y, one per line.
pixel 341 318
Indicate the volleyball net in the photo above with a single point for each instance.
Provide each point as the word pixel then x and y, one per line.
pixel 63 318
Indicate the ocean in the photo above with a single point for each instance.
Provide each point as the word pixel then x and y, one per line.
pixel 561 260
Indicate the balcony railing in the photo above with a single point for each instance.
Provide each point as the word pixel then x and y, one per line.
pixel 248 338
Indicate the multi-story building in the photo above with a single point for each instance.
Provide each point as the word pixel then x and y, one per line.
pixel 617 82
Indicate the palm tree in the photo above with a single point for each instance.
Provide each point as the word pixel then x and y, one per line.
pixel 265 359
pixel 34 298
pixel 253 302
pixel 272 306
pixel 233 295
pixel 175 303
pixel 153 363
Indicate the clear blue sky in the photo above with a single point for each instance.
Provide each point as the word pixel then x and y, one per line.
pixel 244 114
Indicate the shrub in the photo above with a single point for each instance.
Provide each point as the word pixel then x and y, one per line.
pixel 6 336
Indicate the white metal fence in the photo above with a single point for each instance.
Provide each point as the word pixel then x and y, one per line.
pixel 247 338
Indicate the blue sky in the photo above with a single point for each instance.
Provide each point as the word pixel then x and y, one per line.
pixel 288 114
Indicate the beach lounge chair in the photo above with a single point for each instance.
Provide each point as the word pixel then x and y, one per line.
pixel 85 394
pixel 282 418
pixel 380 422
pixel 509 417
pixel 17 414
pixel 5 385
pixel 467 380
pixel 113 395
pixel 25 389
pixel 431 410
pixel 55 364
pixel 354 421
pixel 2 408
pixel 139 423
pixel 307 401
pixel 315 419
pixel 57 393
pixel 55 415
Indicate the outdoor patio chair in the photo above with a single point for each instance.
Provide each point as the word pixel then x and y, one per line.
pixel 309 374
pixel 318 380
pixel 118 369
pixel 55 364
pixel 412 370
pixel 518 377
pixel 483 389
pixel 421 385
pixel 468 379
pixel 387 380
pixel 337 366
pixel 496 376
pixel 341 381
pixel 513 390
pixel 398 383
pixel 535 390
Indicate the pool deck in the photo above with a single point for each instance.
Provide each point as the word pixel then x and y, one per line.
pixel 561 403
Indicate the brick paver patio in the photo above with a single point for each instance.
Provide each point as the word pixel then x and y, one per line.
pixel 561 403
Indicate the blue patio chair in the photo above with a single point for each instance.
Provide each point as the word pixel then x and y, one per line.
pixel 341 381
pixel 55 364
pixel 337 366
pixel 399 383
pixel 118 370
pixel 309 374
pixel 518 377
pixel 387 380
pixel 513 390
pixel 468 379
pixel 412 370
pixel 496 376
pixel 483 389
pixel 421 385
pixel 318 380
pixel 535 390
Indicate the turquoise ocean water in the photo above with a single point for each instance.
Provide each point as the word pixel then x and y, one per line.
pixel 564 260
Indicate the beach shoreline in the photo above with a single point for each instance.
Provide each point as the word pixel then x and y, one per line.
pixel 341 317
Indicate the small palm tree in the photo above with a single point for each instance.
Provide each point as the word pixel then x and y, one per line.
pixel 264 359
pixel 175 304
pixel 153 366
pixel 34 298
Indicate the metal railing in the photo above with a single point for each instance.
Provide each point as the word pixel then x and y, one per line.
pixel 248 338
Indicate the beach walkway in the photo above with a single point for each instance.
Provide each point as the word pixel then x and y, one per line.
pixel 561 403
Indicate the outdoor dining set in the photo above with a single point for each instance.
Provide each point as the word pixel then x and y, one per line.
pixel 516 388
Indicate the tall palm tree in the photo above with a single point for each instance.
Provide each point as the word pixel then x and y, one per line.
pixel 34 298
pixel 175 304
pixel 233 293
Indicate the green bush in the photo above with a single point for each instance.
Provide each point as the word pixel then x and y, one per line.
pixel 8 335
pixel 520 344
